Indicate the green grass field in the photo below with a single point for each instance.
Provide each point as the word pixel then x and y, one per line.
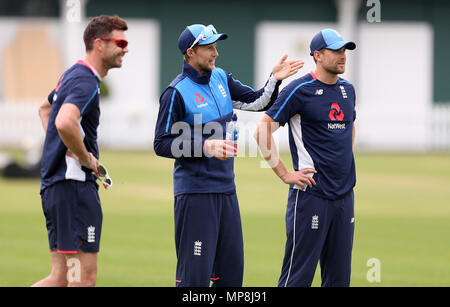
pixel 402 204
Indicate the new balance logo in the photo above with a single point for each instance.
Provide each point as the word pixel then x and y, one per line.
pixel 197 248
pixel 91 234
pixel 319 92
pixel 315 222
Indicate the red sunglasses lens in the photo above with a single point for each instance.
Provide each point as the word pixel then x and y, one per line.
pixel 121 43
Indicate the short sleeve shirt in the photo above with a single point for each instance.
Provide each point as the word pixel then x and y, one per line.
pixel 79 86
pixel 320 118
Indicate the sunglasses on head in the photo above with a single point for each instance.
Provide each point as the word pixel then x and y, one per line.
pixel 206 33
pixel 103 176
pixel 121 43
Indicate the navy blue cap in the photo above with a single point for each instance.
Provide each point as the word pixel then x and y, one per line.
pixel 192 32
pixel 330 39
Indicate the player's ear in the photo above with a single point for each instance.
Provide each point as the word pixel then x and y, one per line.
pixel 97 46
pixel 316 55
pixel 190 52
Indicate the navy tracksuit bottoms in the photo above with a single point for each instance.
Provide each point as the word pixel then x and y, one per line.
pixel 322 230
pixel 208 239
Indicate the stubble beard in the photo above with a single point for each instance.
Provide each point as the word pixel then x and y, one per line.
pixel 112 62
pixel 336 70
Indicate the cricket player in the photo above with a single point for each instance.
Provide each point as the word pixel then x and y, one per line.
pixel 320 110
pixel 70 117
pixel 193 114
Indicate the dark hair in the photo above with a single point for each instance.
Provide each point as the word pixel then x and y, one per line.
pixel 102 26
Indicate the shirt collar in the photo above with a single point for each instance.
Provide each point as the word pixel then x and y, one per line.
pixel 81 62
pixel 194 75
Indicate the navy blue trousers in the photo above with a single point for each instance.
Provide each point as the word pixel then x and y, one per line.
pixel 318 230
pixel 208 239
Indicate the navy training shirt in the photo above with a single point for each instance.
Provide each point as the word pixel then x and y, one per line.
pixel 79 85
pixel 320 118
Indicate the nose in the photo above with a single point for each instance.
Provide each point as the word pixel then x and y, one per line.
pixel 341 54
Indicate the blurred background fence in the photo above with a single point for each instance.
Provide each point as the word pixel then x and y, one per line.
pixel 400 68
